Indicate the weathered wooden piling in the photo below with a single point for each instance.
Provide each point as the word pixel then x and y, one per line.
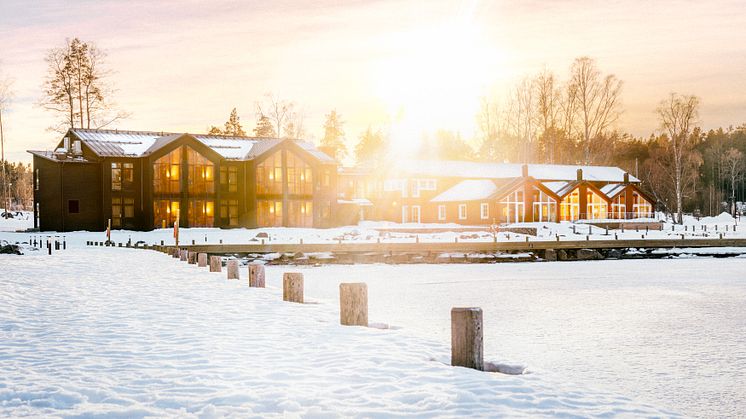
pixel 467 345
pixel 353 304
pixel 232 269
pixel 183 255
pixel 256 275
pixel 216 265
pixel 292 287
pixel 202 260
pixel 192 257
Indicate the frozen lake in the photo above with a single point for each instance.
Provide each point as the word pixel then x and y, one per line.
pixel 667 332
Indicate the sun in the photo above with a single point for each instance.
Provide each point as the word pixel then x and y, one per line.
pixel 434 81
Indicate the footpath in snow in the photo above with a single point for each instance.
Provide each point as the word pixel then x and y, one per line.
pixel 133 333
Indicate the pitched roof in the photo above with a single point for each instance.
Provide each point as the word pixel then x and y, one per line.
pixel 613 189
pixel 543 172
pixel 117 143
pixel 467 190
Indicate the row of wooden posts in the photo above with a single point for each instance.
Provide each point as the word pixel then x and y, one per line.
pixel 52 242
pixel 466 322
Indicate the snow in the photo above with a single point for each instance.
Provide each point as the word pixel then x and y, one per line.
pixel 94 332
pixel 664 332
pixel 467 190
pixel 131 143
pixel 229 148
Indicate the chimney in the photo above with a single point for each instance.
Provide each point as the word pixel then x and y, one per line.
pixel 580 174
pixel 66 143
pixel 626 177
pixel 524 170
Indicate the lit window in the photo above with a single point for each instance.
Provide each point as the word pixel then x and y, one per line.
pixel 441 212
pixel 461 211
pixel 484 210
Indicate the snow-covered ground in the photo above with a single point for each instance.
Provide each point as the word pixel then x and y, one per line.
pixel 666 332
pixel 130 333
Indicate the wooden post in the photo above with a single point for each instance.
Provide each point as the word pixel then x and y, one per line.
pixel 353 304
pixel 466 338
pixel 175 253
pixel 256 275
pixel 216 265
pixel 233 269
pixel 202 260
pixel 192 257
pixel 183 255
pixel 292 287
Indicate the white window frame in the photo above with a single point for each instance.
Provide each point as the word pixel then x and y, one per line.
pixel 441 212
pixel 416 211
pixel 404 214
pixel 462 211
pixel 484 210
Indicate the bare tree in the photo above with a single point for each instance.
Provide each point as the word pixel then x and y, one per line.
pixel 5 98
pixel 596 98
pixel 76 87
pixel 733 167
pixel 677 114
pixel 548 101
pixel 279 111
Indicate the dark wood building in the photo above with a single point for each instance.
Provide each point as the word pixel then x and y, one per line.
pixel 144 180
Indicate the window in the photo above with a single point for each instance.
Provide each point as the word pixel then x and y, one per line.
pixel 484 210
pixel 116 176
pixel 165 212
pixel 269 213
pixel 300 177
pixel 73 206
pixel 129 207
pixel 200 174
pixel 116 212
pixel 327 178
pixel 326 210
pixel 570 206
pixel 545 207
pixel 619 206
pixel 269 175
pixel 513 207
pixel 461 211
pixel 441 212
pixel 300 213
pixel 229 178
pixel 597 208
pixel 415 213
pixel 229 212
pixel 37 180
pixel 167 173
pixel 640 206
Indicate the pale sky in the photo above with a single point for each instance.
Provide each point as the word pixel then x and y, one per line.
pixel 181 66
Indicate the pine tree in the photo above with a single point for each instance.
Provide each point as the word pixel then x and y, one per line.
pixel 233 125
pixel 371 150
pixel 334 135
pixel 215 130
pixel 264 128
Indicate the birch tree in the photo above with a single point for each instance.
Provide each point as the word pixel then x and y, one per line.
pixel 77 87
pixel 733 167
pixel 677 115
pixel 596 99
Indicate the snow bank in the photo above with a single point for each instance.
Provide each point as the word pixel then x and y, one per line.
pixel 132 333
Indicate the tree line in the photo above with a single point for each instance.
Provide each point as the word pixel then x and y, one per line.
pixel 543 118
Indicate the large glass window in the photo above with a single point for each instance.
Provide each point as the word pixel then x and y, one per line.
pixel 269 175
pixel 619 206
pixel 545 207
pixel 229 211
pixel 116 176
pixel 167 173
pixel 116 212
pixel 300 213
pixel 269 213
pixel 165 212
pixel 300 180
pixel 570 206
pixel 201 213
pixel 597 208
pixel 640 206
pixel 514 208
pixel 200 173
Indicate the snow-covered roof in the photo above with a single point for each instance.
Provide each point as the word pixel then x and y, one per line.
pixel 613 189
pixel 544 172
pixel 468 190
pixel 116 143
pixel 555 187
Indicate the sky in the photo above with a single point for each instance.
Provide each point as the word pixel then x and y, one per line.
pixel 181 66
